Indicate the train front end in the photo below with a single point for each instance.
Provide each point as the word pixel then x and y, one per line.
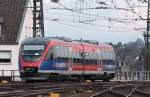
pixel 31 55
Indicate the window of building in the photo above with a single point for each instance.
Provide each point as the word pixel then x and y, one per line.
pixel 0 29
pixel 1 22
pixel 122 63
pixel 5 56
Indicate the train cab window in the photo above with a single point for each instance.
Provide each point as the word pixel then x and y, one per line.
pixel 32 52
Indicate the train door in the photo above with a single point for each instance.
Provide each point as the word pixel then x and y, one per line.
pixel 99 58
pixel 59 58
pixel 77 60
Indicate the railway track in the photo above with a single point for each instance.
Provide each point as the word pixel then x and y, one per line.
pixel 126 90
pixel 69 89
pixel 34 89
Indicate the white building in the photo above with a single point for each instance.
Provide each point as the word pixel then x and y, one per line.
pixel 14 27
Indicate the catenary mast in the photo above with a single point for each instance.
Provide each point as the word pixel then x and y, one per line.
pixel 38 19
pixel 147 40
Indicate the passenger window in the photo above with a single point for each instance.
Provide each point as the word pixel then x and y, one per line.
pixel 111 55
pixel 70 54
pixel 103 54
pixel 56 51
pixel 61 51
pixel 99 54
pixel 49 54
pixel 107 54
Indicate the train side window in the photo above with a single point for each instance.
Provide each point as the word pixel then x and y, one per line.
pixel 56 51
pixel 87 61
pixel 103 54
pixel 70 55
pixel 77 57
pixel 74 57
pixel 49 55
pixel 62 53
pixel 90 56
pixel 99 55
pixel 111 55
pixel 65 51
pixel 86 55
pixel 107 54
pixel 95 55
pixel 114 57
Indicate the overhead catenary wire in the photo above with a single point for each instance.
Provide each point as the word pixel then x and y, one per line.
pixel 85 28
pixel 92 17
pixel 116 8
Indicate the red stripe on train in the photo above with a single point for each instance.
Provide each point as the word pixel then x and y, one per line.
pixel 87 67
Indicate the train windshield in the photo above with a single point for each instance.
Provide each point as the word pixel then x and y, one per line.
pixel 32 52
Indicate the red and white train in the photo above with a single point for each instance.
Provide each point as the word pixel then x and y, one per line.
pixel 62 58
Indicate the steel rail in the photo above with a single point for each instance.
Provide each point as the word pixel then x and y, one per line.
pixel 142 92
pixel 128 91
pixel 115 91
pixel 29 91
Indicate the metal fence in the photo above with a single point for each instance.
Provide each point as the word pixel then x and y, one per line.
pixel 13 75
pixel 119 75
pixel 132 75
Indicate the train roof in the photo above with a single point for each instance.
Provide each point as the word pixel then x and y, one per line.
pixel 45 40
pixel 41 40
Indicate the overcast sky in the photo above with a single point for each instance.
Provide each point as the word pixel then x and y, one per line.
pixel 71 19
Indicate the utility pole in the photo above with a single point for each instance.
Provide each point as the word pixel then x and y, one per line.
pixel 38 18
pixel 147 41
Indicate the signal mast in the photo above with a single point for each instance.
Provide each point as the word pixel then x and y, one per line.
pixel 147 40
pixel 38 19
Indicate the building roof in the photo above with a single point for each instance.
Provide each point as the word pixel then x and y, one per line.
pixel 11 14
